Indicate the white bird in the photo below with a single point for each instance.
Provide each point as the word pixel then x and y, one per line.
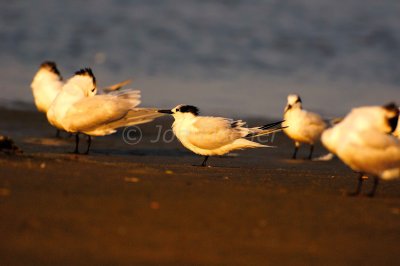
pixel 364 142
pixel 302 126
pixel 208 136
pixel 48 82
pixel 77 108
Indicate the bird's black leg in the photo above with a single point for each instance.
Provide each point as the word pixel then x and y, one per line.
pixel 89 142
pixel 373 190
pixel 205 161
pixel 76 143
pixel 311 152
pixel 296 148
pixel 58 135
pixel 359 184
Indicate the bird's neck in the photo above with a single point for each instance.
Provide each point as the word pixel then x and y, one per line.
pixel 43 79
pixel 67 97
pixel 292 111
pixel 183 123
pixel 297 106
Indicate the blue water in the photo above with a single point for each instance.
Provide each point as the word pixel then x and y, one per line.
pixel 231 57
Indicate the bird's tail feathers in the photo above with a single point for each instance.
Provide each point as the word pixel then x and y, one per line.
pixel 142 115
pixel 266 129
pixel 133 96
pixel 135 117
pixel 245 144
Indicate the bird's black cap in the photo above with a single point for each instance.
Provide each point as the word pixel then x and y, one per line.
pixel 393 118
pixel 52 67
pixel 86 72
pixel 188 109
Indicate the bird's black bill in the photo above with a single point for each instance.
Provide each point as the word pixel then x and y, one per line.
pixel 165 112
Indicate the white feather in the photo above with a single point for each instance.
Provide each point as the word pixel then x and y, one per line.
pixel 45 87
pixel 78 109
pixel 362 142
pixel 303 126
pixel 206 135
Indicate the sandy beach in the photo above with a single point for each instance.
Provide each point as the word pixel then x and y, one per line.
pixel 146 204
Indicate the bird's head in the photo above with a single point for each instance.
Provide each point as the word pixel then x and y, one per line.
pixel 391 116
pixel 182 110
pixel 293 102
pixel 48 69
pixel 86 81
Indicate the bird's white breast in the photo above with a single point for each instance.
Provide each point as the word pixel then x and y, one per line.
pixel 60 106
pixel 303 126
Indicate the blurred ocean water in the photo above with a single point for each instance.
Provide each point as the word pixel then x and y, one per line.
pixel 233 57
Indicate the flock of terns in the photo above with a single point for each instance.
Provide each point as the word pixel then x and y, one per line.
pixel 366 139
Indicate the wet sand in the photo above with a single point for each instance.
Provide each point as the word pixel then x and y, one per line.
pixel 148 205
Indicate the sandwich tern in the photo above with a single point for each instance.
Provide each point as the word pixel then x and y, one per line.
pixel 364 142
pixel 208 136
pixel 48 82
pixel 77 108
pixel 302 126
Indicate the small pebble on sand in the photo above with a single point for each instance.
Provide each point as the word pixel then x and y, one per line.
pixel 154 205
pixel 131 179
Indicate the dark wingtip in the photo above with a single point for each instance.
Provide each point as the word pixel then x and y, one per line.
pixel 51 66
pixel 393 118
pixel 271 125
pixel 86 72
pixel 391 106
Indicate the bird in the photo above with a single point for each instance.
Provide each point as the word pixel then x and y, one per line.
pixel 77 109
pixel 302 126
pixel 364 142
pixel 210 136
pixel 48 82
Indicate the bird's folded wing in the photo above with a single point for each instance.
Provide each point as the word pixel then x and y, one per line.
pixel 379 141
pixel 379 150
pixel 313 125
pixel 135 117
pixel 213 132
pixel 90 113
pixel 314 119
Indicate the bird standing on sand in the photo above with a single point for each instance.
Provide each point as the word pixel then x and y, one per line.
pixel 48 82
pixel 208 136
pixel 77 108
pixel 302 126
pixel 364 142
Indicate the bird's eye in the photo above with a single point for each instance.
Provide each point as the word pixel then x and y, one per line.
pixel 178 110
pixel 93 89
